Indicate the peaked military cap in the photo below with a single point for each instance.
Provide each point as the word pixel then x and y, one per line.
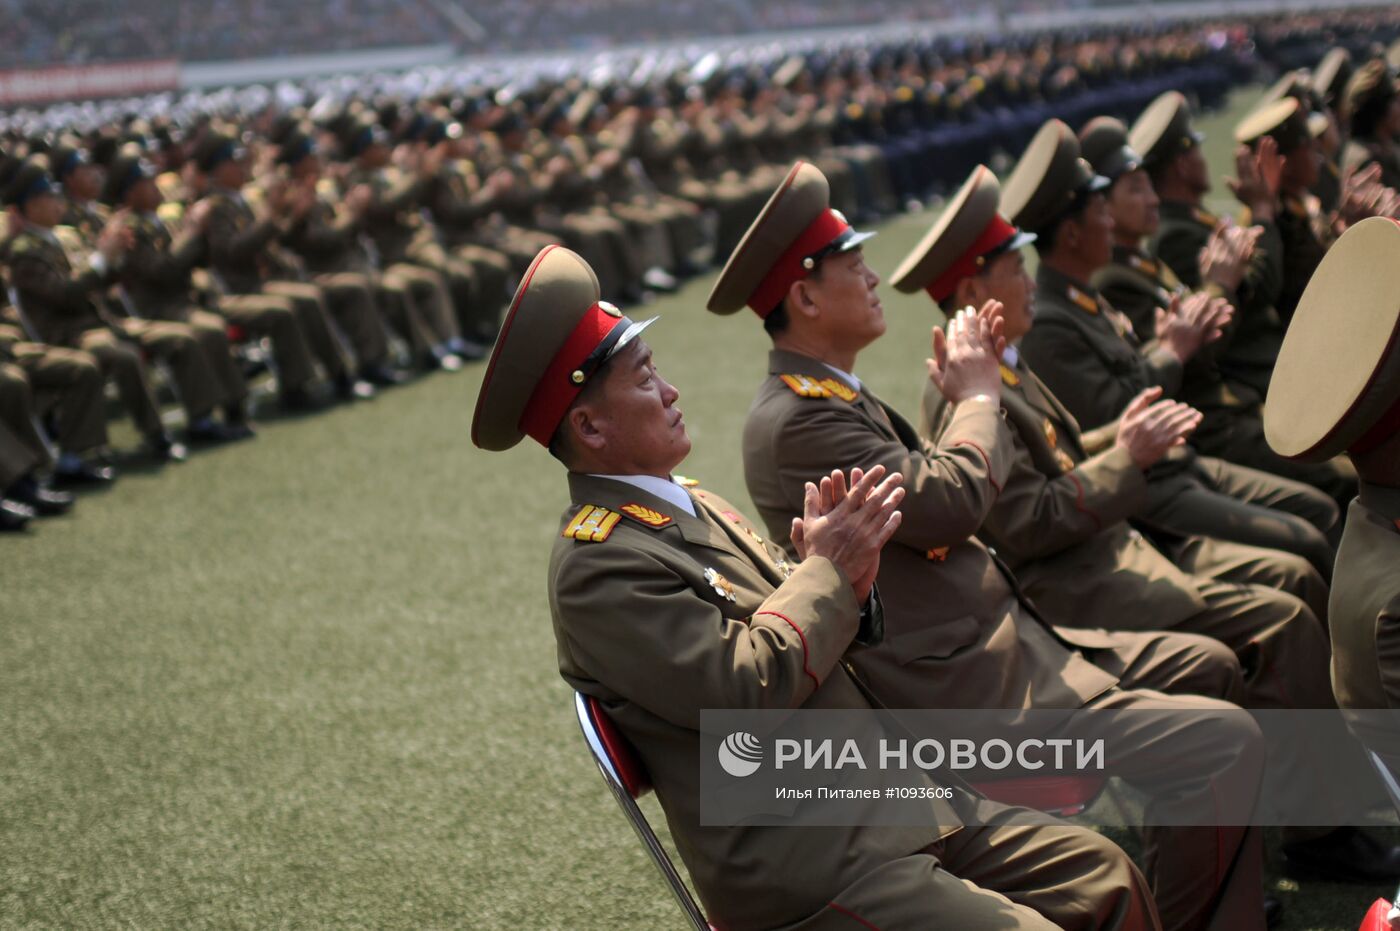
pixel 214 149
pixel 556 336
pixel 128 168
pixel 967 235
pixel 1164 129
pixel 30 180
pixel 1285 120
pixel 795 230
pixel 1336 384
pixel 1330 76
pixel 1049 180
pixel 1104 144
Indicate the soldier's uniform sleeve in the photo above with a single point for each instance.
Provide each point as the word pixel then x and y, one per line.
pixel 453 210
pixel 948 492
pixel 231 247
pixel 1263 279
pixel 34 276
pixel 1037 516
pixel 404 194
pixel 1179 246
pixel 633 622
pixel 1165 370
pixel 1092 392
pixel 148 264
pixel 315 240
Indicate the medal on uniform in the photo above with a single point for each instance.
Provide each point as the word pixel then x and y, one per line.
pixel 1009 377
pixel 722 586
pixel 1051 436
pixel 783 566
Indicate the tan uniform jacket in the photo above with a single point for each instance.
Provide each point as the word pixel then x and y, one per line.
pixel 1087 353
pixel 393 219
pixel 1365 603
pixel 57 300
pixel 1256 331
pixel 1060 522
pixel 641 627
pixel 957 633
pixel 157 271
pixel 327 241
pixel 1138 285
pixel 238 243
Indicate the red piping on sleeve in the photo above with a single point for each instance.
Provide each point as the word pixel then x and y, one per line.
pixel 1079 500
pixel 985 458
pixel 852 915
pixel 800 636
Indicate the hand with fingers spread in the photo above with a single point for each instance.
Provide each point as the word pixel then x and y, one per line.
pixel 850 524
pixel 1191 323
pixel 1259 172
pixel 1226 255
pixel 966 359
pixel 1150 427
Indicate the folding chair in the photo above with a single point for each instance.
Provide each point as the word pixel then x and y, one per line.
pixel 627 780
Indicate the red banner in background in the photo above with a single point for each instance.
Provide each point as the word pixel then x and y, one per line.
pixel 84 82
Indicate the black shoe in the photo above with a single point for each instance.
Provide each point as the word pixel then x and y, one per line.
pixel 45 502
pixel 13 515
pixel 348 388
pixel 382 376
pixel 163 448
pixel 1347 855
pixel 1273 910
pixel 208 430
pixel 88 473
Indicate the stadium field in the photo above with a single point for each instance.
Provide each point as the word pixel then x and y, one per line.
pixel 309 681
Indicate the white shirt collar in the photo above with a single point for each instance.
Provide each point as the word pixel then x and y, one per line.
pixel 1011 356
pixel 664 488
pixel 850 380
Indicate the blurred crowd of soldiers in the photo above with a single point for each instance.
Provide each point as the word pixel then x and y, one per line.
pixel 349 242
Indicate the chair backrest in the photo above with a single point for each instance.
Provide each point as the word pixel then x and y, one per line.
pixel 627 779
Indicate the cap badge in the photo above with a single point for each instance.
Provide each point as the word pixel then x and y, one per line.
pixel 722 586
pixel 645 515
pixel 592 524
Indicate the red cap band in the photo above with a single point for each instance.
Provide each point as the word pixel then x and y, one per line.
pixel 557 389
pixel 997 232
pixel 820 233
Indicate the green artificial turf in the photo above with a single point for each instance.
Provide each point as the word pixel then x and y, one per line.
pixel 309 681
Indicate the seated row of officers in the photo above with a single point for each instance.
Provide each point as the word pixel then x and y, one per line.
pixel 1089 512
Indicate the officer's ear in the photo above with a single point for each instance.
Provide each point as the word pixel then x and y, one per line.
pixel 801 297
pixel 969 293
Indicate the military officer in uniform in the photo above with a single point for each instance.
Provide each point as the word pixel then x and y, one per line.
pixel 1191 494
pixel 1172 156
pixel 24 455
pixel 744 629
pixel 238 245
pixel 1371 108
pixel 1336 390
pixel 1085 349
pixel 60 305
pixel 155 274
pixel 68 385
pixel 959 631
